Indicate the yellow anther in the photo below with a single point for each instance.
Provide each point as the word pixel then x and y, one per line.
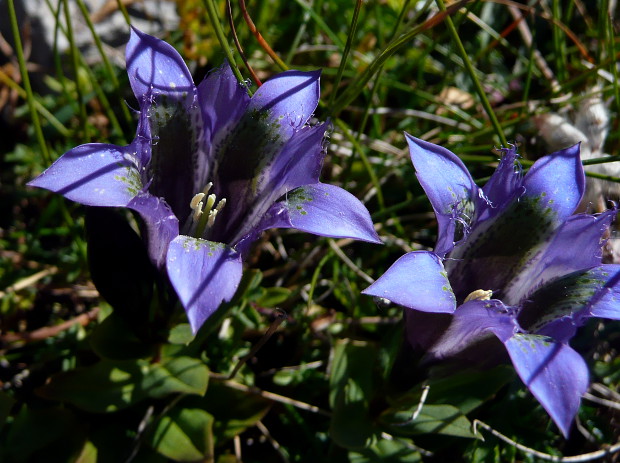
pixel 479 295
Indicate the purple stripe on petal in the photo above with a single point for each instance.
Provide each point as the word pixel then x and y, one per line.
pixel 204 274
pixel 555 374
pixel 417 281
pixel 95 174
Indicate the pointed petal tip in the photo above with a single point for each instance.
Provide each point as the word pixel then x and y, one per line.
pixel 204 275
pixel 417 281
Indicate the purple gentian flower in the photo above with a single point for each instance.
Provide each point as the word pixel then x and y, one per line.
pixel 209 169
pixel 512 263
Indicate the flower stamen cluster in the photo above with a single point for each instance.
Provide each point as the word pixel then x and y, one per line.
pixel 204 215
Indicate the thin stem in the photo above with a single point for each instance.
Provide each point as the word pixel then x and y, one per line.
pixel 261 41
pixel 546 456
pixel 358 85
pixel 221 37
pixel 123 10
pixel 4 78
pixel 472 74
pixel 347 49
pixel 76 69
pixel 106 62
pixel 34 115
pixel 371 172
pixel 612 53
pixel 238 45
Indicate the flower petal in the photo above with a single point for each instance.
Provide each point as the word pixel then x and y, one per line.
pixel 575 245
pixel 417 281
pixel 559 307
pixel 503 186
pixel 299 163
pixel 449 187
pixel 556 182
pixel 155 67
pixel 95 174
pixel 223 100
pixel 555 374
pixel 473 322
pixel 204 274
pixel 162 226
pixel 324 210
pixel 289 99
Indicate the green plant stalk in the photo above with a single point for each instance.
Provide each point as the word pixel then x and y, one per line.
pixel 123 10
pixel 75 66
pixel 106 61
pixel 371 172
pixel 345 53
pixel 316 273
pixel 221 37
pixel 358 85
pixel 38 106
pixel 34 115
pixel 60 76
pixel 300 32
pixel 322 24
pixel 472 74
pixel 611 40
pixel 528 76
pixel 560 63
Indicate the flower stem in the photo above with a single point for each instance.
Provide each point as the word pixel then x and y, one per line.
pixel 34 115
pixel 261 41
pixel 221 37
pixel 345 52
pixel 472 73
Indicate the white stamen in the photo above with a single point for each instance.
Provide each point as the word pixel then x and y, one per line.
pixel 210 202
pixel 197 212
pixel 479 295
pixel 220 205
pixel 196 200
pixel 207 188
pixel 211 219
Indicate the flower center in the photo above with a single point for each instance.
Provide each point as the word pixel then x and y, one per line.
pixel 204 214
pixel 479 295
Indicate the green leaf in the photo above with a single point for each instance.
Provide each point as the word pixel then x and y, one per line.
pixel 103 387
pixel 88 454
pixel 386 451
pixel 110 386
pixel 49 434
pixel 181 334
pixel 433 419
pixel 6 403
pixel 113 339
pixel 350 391
pixel 272 297
pixel 183 375
pixel 185 434
pixel 234 411
pixel 470 389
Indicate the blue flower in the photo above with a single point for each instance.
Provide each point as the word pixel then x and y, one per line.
pixel 209 169
pixel 512 264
